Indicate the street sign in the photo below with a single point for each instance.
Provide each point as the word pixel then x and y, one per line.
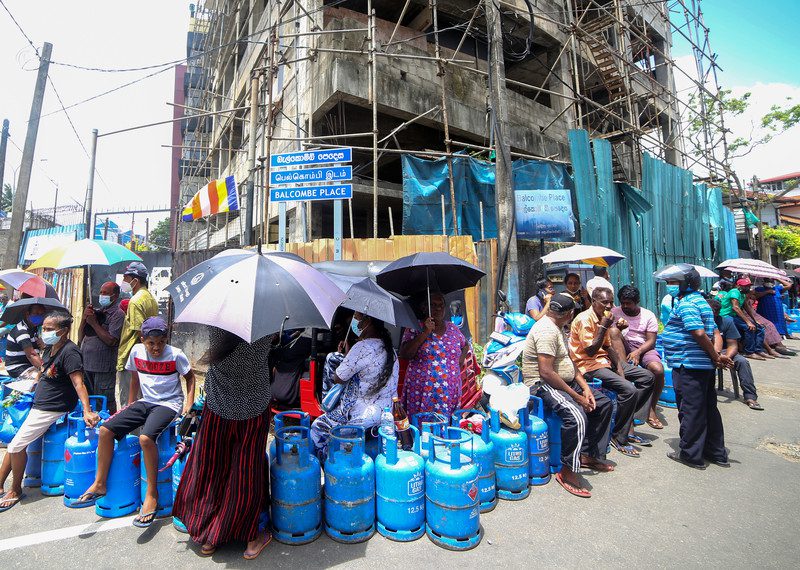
pixel 310 175
pixel 311 193
pixel 311 157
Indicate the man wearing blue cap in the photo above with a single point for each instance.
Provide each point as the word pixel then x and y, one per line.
pixel 156 368
pixel 141 307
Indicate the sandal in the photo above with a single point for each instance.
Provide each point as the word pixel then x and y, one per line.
pixel 253 555
pixel 655 423
pixel 12 502
pixel 753 405
pixel 88 501
pixel 639 440
pixel 207 550
pixel 628 450
pixel 595 464
pixel 572 489
pixel 144 520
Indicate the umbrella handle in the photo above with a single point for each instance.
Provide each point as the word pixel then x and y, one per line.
pixel 428 287
pixel 283 324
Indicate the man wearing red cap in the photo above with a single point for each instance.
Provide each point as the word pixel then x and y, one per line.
pixel 733 306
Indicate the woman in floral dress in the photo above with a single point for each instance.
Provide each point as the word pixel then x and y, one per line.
pixel 436 355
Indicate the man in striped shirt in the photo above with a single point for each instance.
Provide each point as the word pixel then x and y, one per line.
pixel 689 339
pixel 21 349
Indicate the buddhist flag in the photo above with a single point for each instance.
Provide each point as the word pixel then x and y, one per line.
pixel 218 197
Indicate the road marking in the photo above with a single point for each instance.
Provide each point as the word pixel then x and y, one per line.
pixel 83 530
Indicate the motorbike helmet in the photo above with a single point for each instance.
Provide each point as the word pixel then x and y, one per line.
pixel 687 276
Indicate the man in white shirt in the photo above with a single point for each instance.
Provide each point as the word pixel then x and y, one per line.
pixel 599 280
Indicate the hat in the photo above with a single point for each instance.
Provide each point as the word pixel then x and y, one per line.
pixel 136 269
pixel 154 325
pixel 561 303
pixel 743 282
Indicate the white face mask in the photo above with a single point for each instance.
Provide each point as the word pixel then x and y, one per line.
pixel 125 287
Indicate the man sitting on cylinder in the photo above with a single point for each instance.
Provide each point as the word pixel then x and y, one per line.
pixel 156 368
pixel 585 413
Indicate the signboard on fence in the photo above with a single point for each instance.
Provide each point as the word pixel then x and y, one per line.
pixel 544 214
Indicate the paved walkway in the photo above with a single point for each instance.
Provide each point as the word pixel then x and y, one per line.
pixel 651 512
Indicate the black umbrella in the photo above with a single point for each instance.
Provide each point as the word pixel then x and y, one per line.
pixel 370 299
pixel 16 311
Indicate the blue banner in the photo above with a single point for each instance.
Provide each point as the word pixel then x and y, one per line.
pixel 334 174
pixel 309 157
pixel 543 200
pixel 309 193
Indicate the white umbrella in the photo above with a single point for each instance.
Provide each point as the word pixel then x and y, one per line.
pixel 590 254
pixel 704 272
pixel 753 267
pixel 795 261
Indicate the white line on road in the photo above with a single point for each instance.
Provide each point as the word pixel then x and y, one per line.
pixel 62 533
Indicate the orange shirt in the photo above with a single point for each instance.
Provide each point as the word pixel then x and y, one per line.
pixel 584 330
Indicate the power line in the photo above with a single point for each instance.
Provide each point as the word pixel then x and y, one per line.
pixel 27 37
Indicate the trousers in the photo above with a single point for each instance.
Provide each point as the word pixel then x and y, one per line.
pixel 103 384
pixel 701 430
pixel 753 340
pixel 581 432
pixel 633 393
pixel 746 379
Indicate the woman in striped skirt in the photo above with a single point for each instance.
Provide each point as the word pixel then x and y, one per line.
pixel 225 486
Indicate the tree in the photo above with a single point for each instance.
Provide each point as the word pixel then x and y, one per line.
pixel 159 237
pixel 786 241
pixel 6 198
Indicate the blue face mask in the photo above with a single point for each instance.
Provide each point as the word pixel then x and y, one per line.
pixel 354 327
pixel 105 300
pixel 50 337
pixel 673 290
pixel 36 320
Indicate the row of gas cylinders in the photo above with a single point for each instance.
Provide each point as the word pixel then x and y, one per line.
pixel 64 462
pixel 439 488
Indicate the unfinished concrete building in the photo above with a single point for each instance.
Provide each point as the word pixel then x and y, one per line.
pixel 389 77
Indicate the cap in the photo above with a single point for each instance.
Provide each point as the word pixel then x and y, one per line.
pixel 155 325
pixel 136 269
pixel 561 303
pixel 743 282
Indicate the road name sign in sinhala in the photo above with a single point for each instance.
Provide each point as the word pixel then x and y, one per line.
pixel 296 175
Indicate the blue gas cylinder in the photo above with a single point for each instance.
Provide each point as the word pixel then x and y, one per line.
pixel 428 423
pixel 33 468
pixel 349 487
pixel 166 447
pixel 554 437
pixel 80 462
pixel 177 471
pixel 667 398
pixel 511 459
pixel 452 508
pixel 280 422
pixel 538 443
pixel 400 490
pixel 483 455
pixel 53 457
pixel 296 488
pixel 123 484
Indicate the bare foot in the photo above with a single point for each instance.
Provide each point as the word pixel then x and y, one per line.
pixel 254 547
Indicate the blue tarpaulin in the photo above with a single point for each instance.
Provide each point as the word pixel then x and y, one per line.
pixel 426 181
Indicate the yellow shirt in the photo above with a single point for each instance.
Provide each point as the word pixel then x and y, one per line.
pixel 142 306
pixel 584 330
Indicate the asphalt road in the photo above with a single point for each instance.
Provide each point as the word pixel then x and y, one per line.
pixel 651 512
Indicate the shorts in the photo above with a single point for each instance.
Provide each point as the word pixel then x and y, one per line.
pixel 647 358
pixel 34 426
pixel 152 418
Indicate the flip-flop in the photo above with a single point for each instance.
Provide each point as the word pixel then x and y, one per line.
pixel 92 497
pixel 655 424
pixel 639 440
pixel 17 500
pixel 139 521
pixel 571 489
pixel 628 450
pixel 207 551
pixel 596 465
pixel 261 547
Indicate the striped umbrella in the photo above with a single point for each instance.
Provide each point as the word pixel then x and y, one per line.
pixel 753 267
pixel 85 252
pixel 590 254
pixel 28 283
pixel 253 295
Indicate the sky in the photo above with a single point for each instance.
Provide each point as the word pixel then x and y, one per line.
pixel 755 43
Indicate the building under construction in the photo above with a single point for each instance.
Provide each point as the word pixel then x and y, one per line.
pixel 428 78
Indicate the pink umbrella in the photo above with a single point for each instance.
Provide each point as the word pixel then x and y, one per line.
pixel 28 283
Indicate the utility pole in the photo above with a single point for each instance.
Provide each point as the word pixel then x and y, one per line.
pixel 3 145
pixel 21 196
pixel 146 232
pixel 55 207
pixel 761 244
pixel 90 187
pixel 508 270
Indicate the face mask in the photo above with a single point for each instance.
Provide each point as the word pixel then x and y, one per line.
pixel 125 287
pixel 105 300
pixel 50 337
pixel 673 290
pixel 354 327
pixel 36 320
